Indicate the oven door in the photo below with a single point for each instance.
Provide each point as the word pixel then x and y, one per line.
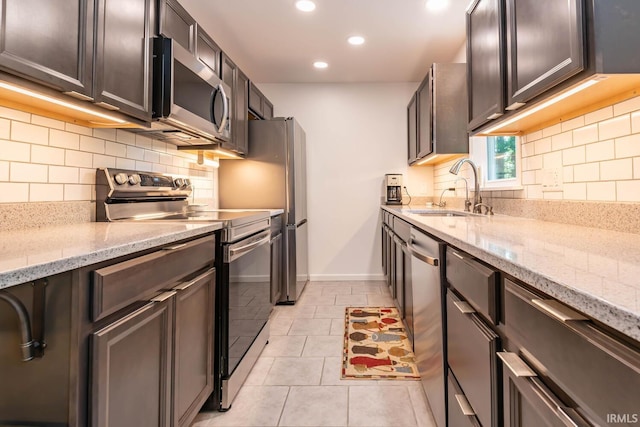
pixel 249 262
pixel 188 95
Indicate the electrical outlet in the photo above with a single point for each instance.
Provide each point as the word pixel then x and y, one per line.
pixel 552 179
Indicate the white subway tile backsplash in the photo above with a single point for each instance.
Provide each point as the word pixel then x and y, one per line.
pixel 91 144
pixel 106 134
pixel 533 136
pixel 125 163
pixel 635 122
pixel 159 146
pixel 636 168
pixel 158 168
pixel 552 195
pixel 585 135
pixel 573 156
pixel 562 141
pixel 5 129
pixel 82 130
pixel 604 191
pixel 574 191
pixel 600 151
pixel 614 128
pixel 63 174
pixel 567 174
pixel 627 106
pixel 4 171
pixel 542 146
pixel 628 146
pixel 101 161
pixel 151 156
pixel 178 162
pixel 9 113
pixel 47 155
pixel 11 192
pixel 63 139
pixel 552 160
pixel 78 158
pixel 47 122
pixel 126 137
pixel 135 153
pixel 628 191
pixel 551 130
pixel 16 151
pixel 166 159
pixel 144 166
pixel 77 192
pixel 598 115
pixel 528 177
pixel 534 191
pixel 616 169
pixel 28 172
pixel 530 163
pixel 25 132
pixel 586 172
pixel 115 149
pixel 572 124
pixel 87 176
pixel 143 142
pixel 46 192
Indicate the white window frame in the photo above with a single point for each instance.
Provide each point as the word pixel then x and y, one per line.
pixel 478 154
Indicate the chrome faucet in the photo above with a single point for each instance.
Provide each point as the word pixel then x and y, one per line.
pixel 467 202
pixel 477 199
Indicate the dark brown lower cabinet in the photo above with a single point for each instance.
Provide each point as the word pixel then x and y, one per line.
pixel 459 411
pixel 131 369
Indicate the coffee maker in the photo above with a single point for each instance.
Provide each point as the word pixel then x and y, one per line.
pixel 393 187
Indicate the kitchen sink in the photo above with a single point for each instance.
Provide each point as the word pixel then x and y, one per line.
pixel 437 212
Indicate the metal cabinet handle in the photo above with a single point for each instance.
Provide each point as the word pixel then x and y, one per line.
pixel 173 248
pixel 422 257
pixel 163 296
pixel 464 307
pixel 225 108
pixel 557 310
pixel 457 254
pixel 516 365
pixel 465 406
pixel 186 285
pixel 399 241
pixel 250 246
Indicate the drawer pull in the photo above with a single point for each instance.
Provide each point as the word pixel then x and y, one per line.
pixel 558 310
pixel 186 285
pixel 163 296
pixel 422 257
pixel 457 254
pixel 173 248
pixel 516 365
pixel 464 405
pixel 464 307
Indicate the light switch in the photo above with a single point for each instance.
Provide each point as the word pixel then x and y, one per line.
pixel 552 179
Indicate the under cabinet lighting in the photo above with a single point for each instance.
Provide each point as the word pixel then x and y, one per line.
pixel 202 160
pixel 547 103
pixel 52 100
pixel 428 159
pixel 305 5
pixel 356 40
pixel 320 64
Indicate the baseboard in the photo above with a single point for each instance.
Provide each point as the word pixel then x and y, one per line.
pixel 344 277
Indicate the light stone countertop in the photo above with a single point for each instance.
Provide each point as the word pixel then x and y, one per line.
pixel 593 270
pixel 31 254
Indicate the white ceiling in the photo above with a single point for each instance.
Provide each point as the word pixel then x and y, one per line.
pixel 273 42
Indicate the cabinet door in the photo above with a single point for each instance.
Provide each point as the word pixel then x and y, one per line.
pixel 177 24
pixel 544 46
pixel 193 348
pixel 50 42
pixel 399 277
pixel 208 51
pixel 425 135
pixel 276 268
pixel 412 128
pixel 485 62
pixel 255 100
pixel 131 367
pixel 267 109
pixel 122 75
pixel 240 129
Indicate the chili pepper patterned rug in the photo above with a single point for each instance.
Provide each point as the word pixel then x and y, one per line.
pixel 376 345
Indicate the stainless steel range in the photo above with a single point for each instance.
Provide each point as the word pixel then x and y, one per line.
pixel 243 263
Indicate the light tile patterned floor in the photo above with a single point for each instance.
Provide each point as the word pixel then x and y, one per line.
pixel 296 381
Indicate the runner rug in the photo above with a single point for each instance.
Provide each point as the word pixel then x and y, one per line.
pixel 376 345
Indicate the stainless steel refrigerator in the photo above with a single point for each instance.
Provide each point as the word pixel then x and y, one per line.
pixel 274 176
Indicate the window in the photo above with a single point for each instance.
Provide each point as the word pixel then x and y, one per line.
pixel 498 161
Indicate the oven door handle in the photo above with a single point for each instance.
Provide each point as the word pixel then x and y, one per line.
pixel 241 250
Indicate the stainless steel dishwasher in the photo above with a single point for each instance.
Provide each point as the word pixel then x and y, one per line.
pixel 427 255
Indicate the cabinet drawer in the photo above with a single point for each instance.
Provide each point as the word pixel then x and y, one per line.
pixel 459 411
pixel 600 373
pixel 121 284
pixel 476 282
pixel 472 347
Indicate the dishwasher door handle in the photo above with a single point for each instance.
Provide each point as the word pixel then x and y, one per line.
pixel 422 257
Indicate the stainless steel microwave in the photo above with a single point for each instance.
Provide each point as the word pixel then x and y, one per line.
pixel 191 104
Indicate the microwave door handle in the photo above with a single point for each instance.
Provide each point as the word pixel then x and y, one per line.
pixel 225 108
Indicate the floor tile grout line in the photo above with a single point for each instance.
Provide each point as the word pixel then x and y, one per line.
pixel 283 406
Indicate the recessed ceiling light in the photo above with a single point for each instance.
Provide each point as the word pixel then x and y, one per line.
pixel 306 5
pixel 356 40
pixel 436 5
pixel 320 64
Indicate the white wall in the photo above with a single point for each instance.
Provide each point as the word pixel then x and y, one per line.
pixel 355 134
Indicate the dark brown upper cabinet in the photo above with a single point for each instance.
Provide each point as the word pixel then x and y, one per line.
pixel 207 51
pixel 239 83
pixel 485 63
pixel 176 23
pixel 56 43
pixel 412 127
pixel 259 105
pixel 544 46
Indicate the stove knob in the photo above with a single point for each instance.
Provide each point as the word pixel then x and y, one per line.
pixel 178 182
pixel 134 179
pixel 121 178
pixel 187 182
